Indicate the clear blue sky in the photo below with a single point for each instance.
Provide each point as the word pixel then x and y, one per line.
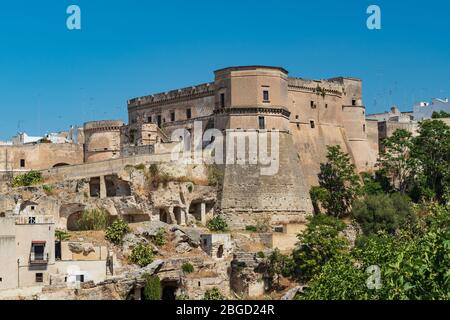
pixel 51 78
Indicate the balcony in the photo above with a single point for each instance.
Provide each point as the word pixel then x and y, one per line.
pixel 38 259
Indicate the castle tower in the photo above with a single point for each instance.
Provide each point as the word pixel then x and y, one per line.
pixel 251 97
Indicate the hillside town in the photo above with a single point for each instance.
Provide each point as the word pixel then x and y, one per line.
pixel 211 191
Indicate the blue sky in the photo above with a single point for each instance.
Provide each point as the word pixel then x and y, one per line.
pixel 51 77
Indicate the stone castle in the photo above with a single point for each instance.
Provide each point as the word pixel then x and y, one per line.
pixel 107 168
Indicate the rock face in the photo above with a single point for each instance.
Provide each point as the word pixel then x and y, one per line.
pixel 85 249
pixel 247 274
pixel 290 295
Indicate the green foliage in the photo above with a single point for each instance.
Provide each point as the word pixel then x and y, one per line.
pixel 278 265
pixel 140 166
pixel 142 255
pixel 251 228
pixel 318 244
pixel 152 289
pixel 61 235
pixel 187 267
pixel 182 296
pixel 217 224
pixel 214 294
pixel 215 175
pixel 371 185
pixel 94 219
pixel 432 151
pixel 440 115
pixel 339 182
pixel 318 195
pixel 48 189
pixel 383 212
pixel 396 160
pixel 414 264
pixel 116 231
pixel 260 255
pixel 27 179
pixel 160 238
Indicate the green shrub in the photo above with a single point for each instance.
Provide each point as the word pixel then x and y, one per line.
pixel 140 166
pixel 152 289
pixel 217 224
pixel 214 294
pixel 318 244
pixel 260 255
pixel 27 179
pixel 61 235
pixel 142 255
pixel 251 228
pixel 215 175
pixel 116 231
pixel 93 220
pixel 187 267
pixel 160 238
pixel 183 296
pixel 382 212
pixel 48 189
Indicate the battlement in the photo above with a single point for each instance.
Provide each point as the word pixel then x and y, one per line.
pixel 201 90
pixel 103 125
pixel 315 86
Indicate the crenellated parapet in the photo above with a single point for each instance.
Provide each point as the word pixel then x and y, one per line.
pixel 199 91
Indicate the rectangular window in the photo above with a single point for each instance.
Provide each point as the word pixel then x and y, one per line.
pixel 172 116
pixel 22 163
pixel 266 95
pixel 149 119
pixel 188 113
pixel 313 125
pixel 39 277
pixel 364 128
pixel 353 102
pixel 222 100
pixel 262 124
pixel 313 106
pixel 80 278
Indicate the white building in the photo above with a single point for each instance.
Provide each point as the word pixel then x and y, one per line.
pixel 424 110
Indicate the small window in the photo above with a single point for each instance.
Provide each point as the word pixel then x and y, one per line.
pixel 313 125
pixel 364 128
pixel 32 208
pixel 266 95
pixel 262 123
pixel 80 278
pixel 172 116
pixel 149 119
pixel 199 284
pixel 1 279
pixel 313 106
pixel 188 113
pixel 205 242
pixel 353 102
pixel 326 105
pixel 22 163
pixel 297 117
pixel 222 100
pixel 39 277
pixel 31 220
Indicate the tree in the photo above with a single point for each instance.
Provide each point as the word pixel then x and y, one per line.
pixel 383 212
pixel 278 265
pixel 339 182
pixel 318 244
pixel 396 160
pixel 440 114
pixel 413 264
pixel 432 150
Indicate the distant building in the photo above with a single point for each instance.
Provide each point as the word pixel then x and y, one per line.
pixel 425 110
pixel 390 121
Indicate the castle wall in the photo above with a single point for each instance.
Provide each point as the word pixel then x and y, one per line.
pixel 39 156
pixel 284 194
